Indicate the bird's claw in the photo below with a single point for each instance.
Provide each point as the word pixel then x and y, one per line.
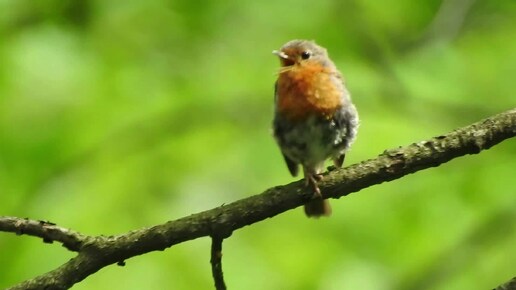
pixel 311 180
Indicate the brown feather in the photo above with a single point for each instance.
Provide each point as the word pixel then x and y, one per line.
pixel 318 207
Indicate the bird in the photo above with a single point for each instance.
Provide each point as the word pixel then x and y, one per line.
pixel 314 117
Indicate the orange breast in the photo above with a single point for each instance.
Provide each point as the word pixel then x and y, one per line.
pixel 307 90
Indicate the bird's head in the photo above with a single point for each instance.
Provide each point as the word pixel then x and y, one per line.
pixel 300 53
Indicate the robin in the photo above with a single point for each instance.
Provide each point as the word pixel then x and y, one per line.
pixel 314 117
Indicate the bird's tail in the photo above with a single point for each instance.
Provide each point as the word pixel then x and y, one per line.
pixel 318 207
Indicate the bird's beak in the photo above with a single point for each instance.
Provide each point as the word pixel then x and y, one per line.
pixel 280 54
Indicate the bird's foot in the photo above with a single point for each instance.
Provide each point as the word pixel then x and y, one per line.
pixel 311 180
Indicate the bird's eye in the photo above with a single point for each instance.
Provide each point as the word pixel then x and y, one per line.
pixel 306 54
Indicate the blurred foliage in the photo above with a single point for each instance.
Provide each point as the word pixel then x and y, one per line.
pixel 117 115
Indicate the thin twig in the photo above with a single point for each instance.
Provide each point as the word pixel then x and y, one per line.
pixel 216 263
pixel 46 230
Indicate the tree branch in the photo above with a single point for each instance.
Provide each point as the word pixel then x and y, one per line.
pixel 46 230
pixel 216 263
pixel 509 285
pixel 98 252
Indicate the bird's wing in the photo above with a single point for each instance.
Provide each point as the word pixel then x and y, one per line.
pixel 292 166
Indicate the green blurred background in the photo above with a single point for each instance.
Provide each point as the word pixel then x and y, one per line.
pixel 117 115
